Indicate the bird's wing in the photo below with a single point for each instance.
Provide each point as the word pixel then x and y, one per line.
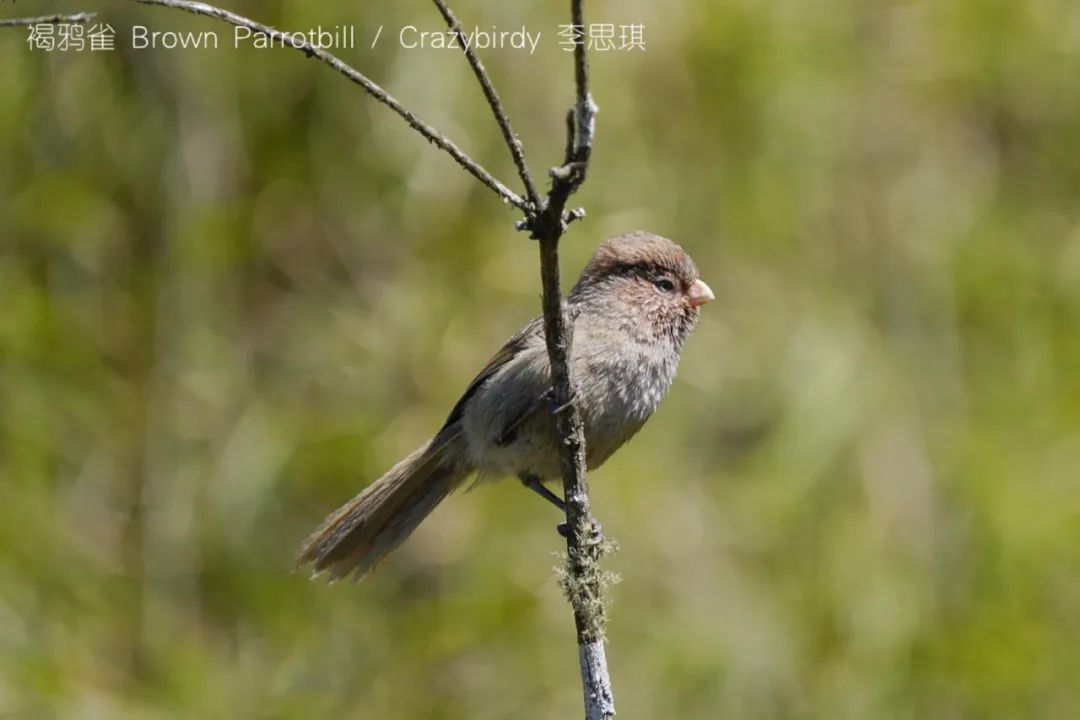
pixel 506 353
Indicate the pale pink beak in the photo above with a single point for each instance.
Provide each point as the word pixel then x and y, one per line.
pixel 699 293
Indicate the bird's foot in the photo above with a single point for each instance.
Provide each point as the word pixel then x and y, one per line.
pixel 549 402
pixel 545 400
pixel 534 483
pixel 596 536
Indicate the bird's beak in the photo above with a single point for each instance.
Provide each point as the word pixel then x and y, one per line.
pixel 699 293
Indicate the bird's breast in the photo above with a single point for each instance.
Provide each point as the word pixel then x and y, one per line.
pixel 619 391
pixel 619 385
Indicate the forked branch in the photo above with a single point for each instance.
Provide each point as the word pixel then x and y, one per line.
pixel 297 42
pixel 511 138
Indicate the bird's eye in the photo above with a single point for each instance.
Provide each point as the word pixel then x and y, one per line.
pixel 664 284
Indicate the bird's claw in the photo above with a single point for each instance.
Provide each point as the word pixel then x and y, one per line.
pixel 549 400
pixel 595 537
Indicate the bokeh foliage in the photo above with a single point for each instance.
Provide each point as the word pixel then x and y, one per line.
pixel 233 289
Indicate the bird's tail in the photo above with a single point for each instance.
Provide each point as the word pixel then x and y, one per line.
pixel 356 536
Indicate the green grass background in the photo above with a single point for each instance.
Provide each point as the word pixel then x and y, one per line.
pixel 233 289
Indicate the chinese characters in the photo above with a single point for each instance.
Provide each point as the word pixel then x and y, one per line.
pixel 603 37
pixel 71 37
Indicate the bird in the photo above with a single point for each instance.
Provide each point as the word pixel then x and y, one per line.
pixel 633 307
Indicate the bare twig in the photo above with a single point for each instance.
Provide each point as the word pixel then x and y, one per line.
pixel 512 141
pixel 77 18
pixel 298 42
pixel 583 579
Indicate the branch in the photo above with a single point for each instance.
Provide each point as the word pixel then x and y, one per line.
pixel 511 138
pixel 77 18
pixel 298 42
pixel 583 580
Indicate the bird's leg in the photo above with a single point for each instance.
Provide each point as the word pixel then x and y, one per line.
pixel 549 400
pixel 564 528
pixel 509 433
pixel 533 483
pixel 545 400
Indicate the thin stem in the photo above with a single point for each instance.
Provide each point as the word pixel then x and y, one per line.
pixel 298 42
pixel 511 138
pixel 583 582
pixel 584 108
pixel 77 18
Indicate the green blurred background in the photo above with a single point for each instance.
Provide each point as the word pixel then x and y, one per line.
pixel 233 289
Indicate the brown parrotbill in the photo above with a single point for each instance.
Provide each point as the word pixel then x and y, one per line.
pixel 634 305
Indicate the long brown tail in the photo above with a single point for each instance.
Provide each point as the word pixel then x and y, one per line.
pixel 356 536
